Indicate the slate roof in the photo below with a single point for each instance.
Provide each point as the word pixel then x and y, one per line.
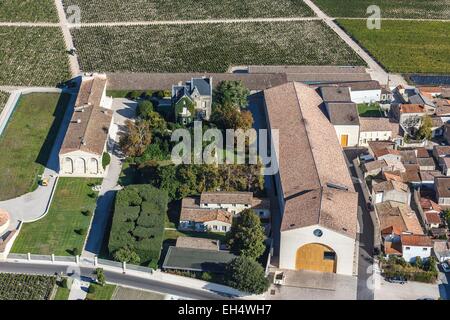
pixel 310 161
pixel 200 260
pixel 343 114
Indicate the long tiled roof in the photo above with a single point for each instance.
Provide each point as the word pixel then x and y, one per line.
pixel 311 162
pixel 245 198
pixel 89 126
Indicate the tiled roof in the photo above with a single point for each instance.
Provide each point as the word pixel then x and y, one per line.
pixel 433 217
pixel 399 217
pixel 311 162
pixel 416 240
pixel 422 152
pixel 335 94
pixel 372 124
pixel 442 151
pixel 426 162
pixel 412 108
pixel 343 114
pixel 245 198
pixel 197 243
pixel 442 186
pixel 205 215
pixel 390 185
pixel 374 165
pixel 89 126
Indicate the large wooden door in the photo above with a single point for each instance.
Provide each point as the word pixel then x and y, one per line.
pixel 316 257
pixel 344 140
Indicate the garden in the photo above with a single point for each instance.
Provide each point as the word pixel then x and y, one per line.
pixel 209 47
pixel 150 10
pixel 138 225
pixel 64 229
pixel 33 56
pixel 436 9
pixel 405 46
pixel 370 110
pixel 27 141
pixel 26 287
pixel 28 11
pixel 420 270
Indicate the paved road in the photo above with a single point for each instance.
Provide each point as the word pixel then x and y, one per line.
pixel 113 277
pixel 365 236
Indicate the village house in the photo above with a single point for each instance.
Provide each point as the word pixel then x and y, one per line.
pixel 373 168
pixel 378 129
pixel 442 188
pixel 194 218
pixel 442 155
pixel 390 191
pixel 414 245
pixel 313 185
pixel 192 100
pixel 431 212
pixel 397 218
pixel 344 117
pixel 87 135
pixel 358 91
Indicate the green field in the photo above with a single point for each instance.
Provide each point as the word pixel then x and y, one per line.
pixel 61 292
pixel 138 10
pixel 101 292
pixel 405 46
pixel 3 99
pixel 209 47
pixel 58 231
pixel 25 287
pixel 32 56
pixel 27 141
pixel 423 9
pixel 28 11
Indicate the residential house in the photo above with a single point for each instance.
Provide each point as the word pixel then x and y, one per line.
pixel 235 202
pixel 203 220
pixel 378 129
pixel 414 246
pixel 441 250
pixel 397 218
pixel 390 191
pixel 344 117
pixel 86 138
pixel 431 212
pixel 360 91
pixel 335 93
pixel 442 155
pixel 442 189
pixel 317 200
pixel 192 100
pixel 373 168
pixel 437 127
pixel 426 164
pixel 427 178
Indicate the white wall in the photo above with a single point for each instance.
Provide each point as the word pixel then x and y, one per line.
pixel 365 96
pixel 84 165
pixel 367 136
pixel 292 240
pixel 410 254
pixel 351 131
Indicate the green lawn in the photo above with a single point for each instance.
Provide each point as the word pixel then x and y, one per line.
pixel 61 293
pixel 32 56
pixel 27 141
pixel 369 110
pixel 3 99
pixel 209 47
pixel 57 232
pixel 101 292
pixel 138 10
pixel 405 46
pixel 428 9
pixel 175 234
pixel 28 11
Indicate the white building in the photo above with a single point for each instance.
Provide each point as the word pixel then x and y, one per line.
pixel 377 129
pixel 415 246
pixel 87 135
pixel 344 117
pixel 313 185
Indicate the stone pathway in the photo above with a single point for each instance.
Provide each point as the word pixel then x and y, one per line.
pixel 79 289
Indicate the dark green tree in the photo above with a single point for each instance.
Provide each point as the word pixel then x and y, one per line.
pixel 246 275
pixel 125 254
pixel 144 108
pixel 246 236
pixel 233 92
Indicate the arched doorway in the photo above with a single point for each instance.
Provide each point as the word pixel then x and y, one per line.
pixel 316 257
pixel 93 165
pixel 80 166
pixel 68 165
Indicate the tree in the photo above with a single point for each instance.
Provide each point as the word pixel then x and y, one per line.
pixel 136 139
pixel 144 108
pixel 418 262
pixel 246 236
pixel 133 95
pixel 425 131
pixel 226 116
pixel 125 254
pixel 246 275
pixel 106 160
pixel 101 279
pixel 156 122
pixel 232 92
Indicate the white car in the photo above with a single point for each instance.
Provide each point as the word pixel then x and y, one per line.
pixel 445 266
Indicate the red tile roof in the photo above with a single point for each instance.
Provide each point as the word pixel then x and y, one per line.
pixel 414 240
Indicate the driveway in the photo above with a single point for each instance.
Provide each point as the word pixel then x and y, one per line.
pixel 123 109
pixel 409 291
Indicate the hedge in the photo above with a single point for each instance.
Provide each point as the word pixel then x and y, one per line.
pixel 138 222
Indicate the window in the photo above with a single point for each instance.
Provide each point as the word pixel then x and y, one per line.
pixel 215 227
pixel 424 249
pixel 224 228
pixel 318 233
pixel 407 248
pixel 329 255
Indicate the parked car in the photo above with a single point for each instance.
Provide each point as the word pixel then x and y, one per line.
pixel 445 266
pixel 397 279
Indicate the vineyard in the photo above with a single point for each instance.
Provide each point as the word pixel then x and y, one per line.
pixel 28 11
pixel 26 287
pixel 209 47
pixel 138 10
pixel 3 99
pixel 436 9
pixel 405 47
pixel 32 56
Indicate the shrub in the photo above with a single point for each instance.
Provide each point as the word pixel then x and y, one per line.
pixel 126 255
pixel 101 279
pixel 87 213
pixel 75 252
pixel 106 160
pixel 247 275
pixel 91 289
pixel 206 276
pixel 82 231
pixel 133 95
pixel 144 109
